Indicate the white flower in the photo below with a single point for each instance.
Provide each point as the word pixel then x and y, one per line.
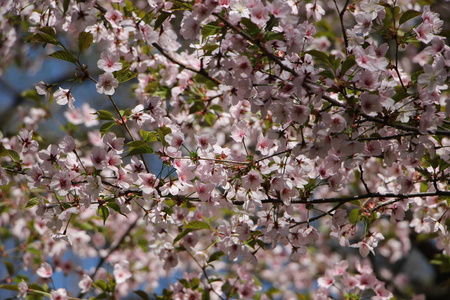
pixel 109 62
pixel 63 97
pixel 107 84
pixel 45 270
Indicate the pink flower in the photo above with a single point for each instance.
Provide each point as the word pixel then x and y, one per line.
pixel 406 183
pixel 175 140
pixel 259 14
pixel 190 27
pixel 109 62
pixel 98 158
pixel 238 131
pixel 149 183
pixel 424 32
pixel 43 89
pixel 45 270
pixel 4 178
pixel 314 10
pixel 205 141
pixel 242 67
pixel 121 272
pixel 26 139
pixel 114 17
pixel 83 16
pixel 336 122
pixel 300 113
pixel 204 191
pixel 113 142
pixel 50 156
pixel 59 294
pixel 63 97
pixel 279 8
pixel 184 169
pixel 247 289
pixel 67 144
pixel 85 284
pixel 106 84
pixel 264 144
pixel 367 281
pixel 61 183
pixel 252 181
pixel 327 280
pixel 23 289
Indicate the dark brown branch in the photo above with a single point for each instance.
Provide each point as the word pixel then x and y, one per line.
pixel 353 198
pixel 405 127
pixel 341 19
pixel 270 55
pixel 319 216
pixel 200 72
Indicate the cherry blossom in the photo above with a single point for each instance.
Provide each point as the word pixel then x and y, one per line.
pixel 107 84
pixel 45 270
pixel 63 97
pixel 252 153
pixel 109 62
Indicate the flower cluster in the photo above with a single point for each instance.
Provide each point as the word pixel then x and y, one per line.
pixel 258 147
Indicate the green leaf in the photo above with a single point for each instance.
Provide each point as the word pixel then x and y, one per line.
pixel 103 212
pixel 162 132
pixel 102 296
pixel 65 6
pixel 408 15
pixel 197 225
pixel 216 256
pixel 64 55
pixel 48 30
pixel 354 216
pixel 423 187
pixel 10 267
pixel 183 234
pixel 10 287
pixel 104 115
pixel 400 94
pixel 149 136
pixel 210 47
pixel 105 127
pixel 144 149
pixel 210 118
pixel 273 21
pixel 135 144
pixel 14 155
pixel 116 207
pixel 443 261
pixel 3 151
pixel 334 62
pixel 196 107
pixel 143 295
pixel 124 75
pixel 319 55
pixel 347 64
pixel 216 107
pixel 162 17
pixel 211 29
pixel 252 28
pixel 101 284
pixel 205 295
pixel 327 73
pixel 84 40
pixel 32 202
pixel 41 37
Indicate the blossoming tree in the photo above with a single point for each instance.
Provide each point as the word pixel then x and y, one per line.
pixel 301 148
